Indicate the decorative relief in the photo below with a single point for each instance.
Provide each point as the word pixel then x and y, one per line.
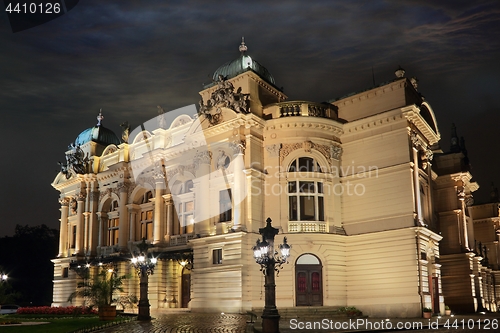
pixel 307 146
pixel 274 150
pixel 287 148
pixel 429 154
pixel 335 152
pixel 328 151
pixel 224 96
pixel 202 157
pixel 223 160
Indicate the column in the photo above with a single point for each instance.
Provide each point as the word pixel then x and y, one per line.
pixel 102 219
pixel 202 193
pixel 167 199
pixel 133 209
pixel 79 223
pixel 158 210
pixel 238 189
pixel 416 182
pixel 123 226
pixel 86 232
pixel 93 222
pixel 63 233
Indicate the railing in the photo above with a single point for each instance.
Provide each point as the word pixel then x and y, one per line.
pixel 108 250
pixel 296 109
pixel 180 239
pixel 306 226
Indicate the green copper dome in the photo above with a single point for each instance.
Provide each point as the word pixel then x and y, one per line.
pixel 242 64
pixel 98 134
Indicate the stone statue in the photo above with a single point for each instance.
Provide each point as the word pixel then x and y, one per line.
pixel 126 131
pixel 162 123
pixel 224 96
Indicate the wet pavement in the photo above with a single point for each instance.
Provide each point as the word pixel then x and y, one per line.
pixel 187 322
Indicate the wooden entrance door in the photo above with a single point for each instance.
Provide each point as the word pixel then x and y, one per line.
pixel 308 285
pixel 186 288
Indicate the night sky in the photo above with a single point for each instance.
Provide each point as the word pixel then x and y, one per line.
pixel 127 57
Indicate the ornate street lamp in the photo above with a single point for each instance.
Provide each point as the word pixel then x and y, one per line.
pixel 144 265
pixel 270 260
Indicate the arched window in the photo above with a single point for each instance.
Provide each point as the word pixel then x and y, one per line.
pixel 304 164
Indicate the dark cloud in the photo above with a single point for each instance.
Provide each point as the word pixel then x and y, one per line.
pixel 127 57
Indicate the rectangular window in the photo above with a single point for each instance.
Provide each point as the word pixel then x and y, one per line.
pixel 307 208
pixel 73 240
pixel 217 256
pixel 306 201
pixel 225 206
pixel 292 203
pixel 65 272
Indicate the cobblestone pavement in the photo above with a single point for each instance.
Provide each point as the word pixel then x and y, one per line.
pixel 236 323
pixel 185 323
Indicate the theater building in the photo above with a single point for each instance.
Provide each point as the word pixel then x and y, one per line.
pixel 351 183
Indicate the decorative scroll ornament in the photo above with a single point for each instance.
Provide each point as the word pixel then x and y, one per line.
pixel 76 162
pixel 64 201
pixel 224 96
pixel 414 139
pixel 202 157
pixel 238 146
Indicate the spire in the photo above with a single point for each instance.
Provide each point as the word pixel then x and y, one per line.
pixel 100 117
pixel 243 48
pixel 454 145
pixel 493 193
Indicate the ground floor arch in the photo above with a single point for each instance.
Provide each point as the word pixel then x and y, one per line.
pixel 308 281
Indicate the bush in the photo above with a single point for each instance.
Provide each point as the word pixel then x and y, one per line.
pixel 350 311
pixel 427 310
pixel 48 310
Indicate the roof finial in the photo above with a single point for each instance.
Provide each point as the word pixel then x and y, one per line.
pixel 243 47
pixel 100 117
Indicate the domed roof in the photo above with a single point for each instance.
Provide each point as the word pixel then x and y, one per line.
pixel 242 64
pixel 98 134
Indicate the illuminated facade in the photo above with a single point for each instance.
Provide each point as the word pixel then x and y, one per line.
pixel 350 183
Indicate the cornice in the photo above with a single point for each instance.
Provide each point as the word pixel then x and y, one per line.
pixel 368 123
pixel 372 93
pixel 313 123
pixel 412 113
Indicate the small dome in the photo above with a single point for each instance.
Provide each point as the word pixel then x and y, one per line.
pixel 99 134
pixel 242 64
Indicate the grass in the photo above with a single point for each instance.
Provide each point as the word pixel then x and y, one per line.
pixel 56 325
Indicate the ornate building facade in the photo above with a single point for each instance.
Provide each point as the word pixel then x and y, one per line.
pixel 351 184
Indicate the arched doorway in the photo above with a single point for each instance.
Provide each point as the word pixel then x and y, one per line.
pixel 185 287
pixel 308 281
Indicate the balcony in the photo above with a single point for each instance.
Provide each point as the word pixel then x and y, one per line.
pixel 180 239
pixel 307 226
pixel 301 109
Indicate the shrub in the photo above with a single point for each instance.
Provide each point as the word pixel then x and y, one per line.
pixel 350 311
pixel 48 310
pixel 427 310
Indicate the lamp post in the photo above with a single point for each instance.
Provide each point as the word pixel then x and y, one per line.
pixel 270 260
pixel 144 267
pixel 3 277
